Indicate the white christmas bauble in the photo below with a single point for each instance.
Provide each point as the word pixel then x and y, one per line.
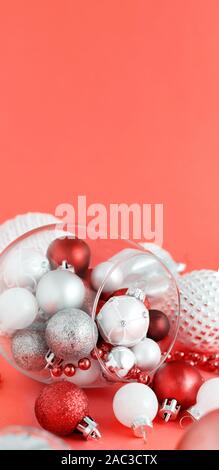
pixel 85 378
pixel 135 405
pixel 123 321
pixel 18 309
pixel 199 310
pixel 147 354
pixel 102 272
pixel 23 267
pixel 59 289
pixel 121 360
pixel 207 399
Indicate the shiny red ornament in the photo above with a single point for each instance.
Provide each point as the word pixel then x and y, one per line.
pixel 159 325
pixel 72 250
pixel 56 371
pixel 69 370
pixel 134 373
pixel 84 364
pixel 60 407
pixel 177 381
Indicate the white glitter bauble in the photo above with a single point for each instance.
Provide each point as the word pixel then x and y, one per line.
pixel 101 272
pixel 23 267
pixel 71 334
pixel 18 309
pixel 59 289
pixel 123 321
pixel 121 360
pixel 85 378
pixel 147 354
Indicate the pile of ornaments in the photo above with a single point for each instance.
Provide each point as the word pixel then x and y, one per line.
pixel 46 308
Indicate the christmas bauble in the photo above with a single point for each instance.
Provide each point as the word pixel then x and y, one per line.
pixel 58 290
pixel 23 267
pixel 135 406
pixel 159 325
pixel 199 298
pixel 120 360
pixel 202 435
pixel 72 250
pixel 123 321
pixel 104 272
pixel 71 334
pixel 60 407
pixel 207 399
pixel 29 349
pixel 177 380
pixel 18 309
pixel 147 354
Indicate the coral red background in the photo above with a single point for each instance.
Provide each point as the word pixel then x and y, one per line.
pixel 118 100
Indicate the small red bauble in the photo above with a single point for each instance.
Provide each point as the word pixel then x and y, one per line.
pixel 69 370
pixel 72 250
pixel 56 371
pixel 159 325
pixel 84 364
pixel 60 407
pixel 177 381
pixel 134 373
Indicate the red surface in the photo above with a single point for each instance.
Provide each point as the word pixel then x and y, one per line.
pixel 117 100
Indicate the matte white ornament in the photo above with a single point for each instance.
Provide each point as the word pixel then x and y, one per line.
pixel 135 405
pixel 147 354
pixel 121 360
pixel 207 399
pixel 59 289
pixel 23 267
pixel 123 321
pixel 18 309
pixel 102 272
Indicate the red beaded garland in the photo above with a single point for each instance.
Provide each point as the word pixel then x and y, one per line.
pixel 84 364
pixel 69 370
pixel 56 371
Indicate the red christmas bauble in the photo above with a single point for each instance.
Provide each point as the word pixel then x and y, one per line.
pixel 72 250
pixel 177 380
pixel 159 325
pixel 60 407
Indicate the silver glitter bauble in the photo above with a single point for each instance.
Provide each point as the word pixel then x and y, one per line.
pixel 29 349
pixel 71 334
pixel 147 354
pixel 123 321
pixel 59 289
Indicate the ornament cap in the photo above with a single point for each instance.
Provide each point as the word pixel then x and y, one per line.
pixel 89 428
pixel 194 412
pixel 51 360
pixel 169 410
pixel 141 426
pixel 137 293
